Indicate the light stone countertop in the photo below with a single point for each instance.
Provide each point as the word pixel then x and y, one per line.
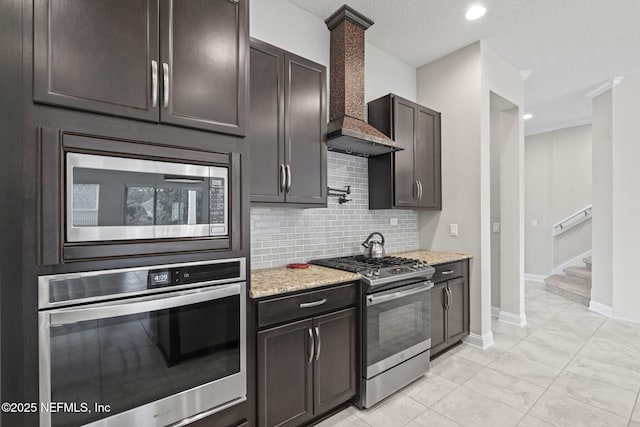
pixel 434 257
pixel 281 280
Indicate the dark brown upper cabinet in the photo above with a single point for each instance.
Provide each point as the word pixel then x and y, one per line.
pixel 287 129
pixel 410 178
pixel 178 62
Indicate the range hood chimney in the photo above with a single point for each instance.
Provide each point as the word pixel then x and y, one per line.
pixel 347 132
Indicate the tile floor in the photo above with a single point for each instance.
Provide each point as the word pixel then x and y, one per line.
pixel 567 367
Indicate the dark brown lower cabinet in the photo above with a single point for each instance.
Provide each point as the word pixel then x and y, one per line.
pixel 306 368
pixel 449 305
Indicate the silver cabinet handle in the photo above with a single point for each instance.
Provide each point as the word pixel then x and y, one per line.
pixel 288 167
pixel 283 177
pixel 235 1
pixel 165 85
pixel 154 83
pixel 319 346
pixel 446 273
pixel 416 190
pixel 419 190
pixel 313 304
pixel 449 297
pixel 311 346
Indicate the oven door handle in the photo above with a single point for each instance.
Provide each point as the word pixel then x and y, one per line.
pixel 64 316
pixel 378 299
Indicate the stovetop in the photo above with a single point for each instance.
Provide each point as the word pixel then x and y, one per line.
pixel 378 271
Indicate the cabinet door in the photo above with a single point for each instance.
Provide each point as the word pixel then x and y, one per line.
pixel 266 127
pixel 335 368
pixel 305 130
pixel 404 133
pixel 97 55
pixel 456 313
pixel 438 301
pixel 285 368
pixel 427 159
pixel 204 52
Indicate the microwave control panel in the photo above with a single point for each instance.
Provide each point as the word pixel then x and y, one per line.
pixel 217 201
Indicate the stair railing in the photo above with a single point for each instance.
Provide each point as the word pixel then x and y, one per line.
pixel 572 221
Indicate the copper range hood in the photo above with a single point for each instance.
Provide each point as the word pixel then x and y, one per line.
pixel 347 131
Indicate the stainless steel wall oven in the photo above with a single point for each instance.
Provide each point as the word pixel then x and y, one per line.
pixel 148 346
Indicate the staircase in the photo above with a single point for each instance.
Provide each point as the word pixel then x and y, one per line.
pixel 574 284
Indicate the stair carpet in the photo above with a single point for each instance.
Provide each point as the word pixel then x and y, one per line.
pixel 574 284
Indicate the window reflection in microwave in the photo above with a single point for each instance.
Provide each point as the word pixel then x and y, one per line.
pixel 116 198
pixel 163 206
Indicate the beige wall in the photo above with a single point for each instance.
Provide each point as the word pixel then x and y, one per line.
pixel 626 198
pixel 503 88
pixel 495 207
pixel 616 291
pixel 460 85
pixel 557 184
pixel 452 86
pixel 602 289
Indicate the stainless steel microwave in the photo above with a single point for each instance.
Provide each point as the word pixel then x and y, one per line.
pixel 118 198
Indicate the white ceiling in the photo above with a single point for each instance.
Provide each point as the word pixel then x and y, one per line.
pixel 572 46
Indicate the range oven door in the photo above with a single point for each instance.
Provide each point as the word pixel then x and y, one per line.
pixel 120 198
pixel 152 360
pixel 397 326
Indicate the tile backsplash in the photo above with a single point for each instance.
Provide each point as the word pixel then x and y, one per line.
pixel 280 236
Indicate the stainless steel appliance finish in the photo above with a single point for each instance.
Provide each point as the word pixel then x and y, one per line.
pixel 396 321
pixel 392 380
pixel 377 272
pixel 118 198
pixel 398 326
pixel 172 353
pixel 373 248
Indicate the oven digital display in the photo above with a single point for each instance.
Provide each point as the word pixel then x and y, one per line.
pixel 159 278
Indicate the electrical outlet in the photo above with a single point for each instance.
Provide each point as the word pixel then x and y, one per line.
pixel 453 230
pixel 496 227
pixel 393 221
pixel 534 223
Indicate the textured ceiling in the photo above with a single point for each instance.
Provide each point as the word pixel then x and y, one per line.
pixel 572 46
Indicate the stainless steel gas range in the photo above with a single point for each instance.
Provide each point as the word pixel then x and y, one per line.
pixel 395 324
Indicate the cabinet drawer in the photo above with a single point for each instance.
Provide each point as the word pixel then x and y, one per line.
pixel 447 271
pixel 305 304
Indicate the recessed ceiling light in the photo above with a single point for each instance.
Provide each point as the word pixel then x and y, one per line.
pixel 475 12
pixel 527 116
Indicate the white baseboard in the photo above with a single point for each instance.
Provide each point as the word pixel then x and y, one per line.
pixel 514 319
pixel 481 341
pixel 573 261
pixel 609 311
pixel 495 311
pixel 534 277
pixel 601 308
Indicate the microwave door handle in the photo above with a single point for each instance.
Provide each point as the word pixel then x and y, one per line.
pixel 118 308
